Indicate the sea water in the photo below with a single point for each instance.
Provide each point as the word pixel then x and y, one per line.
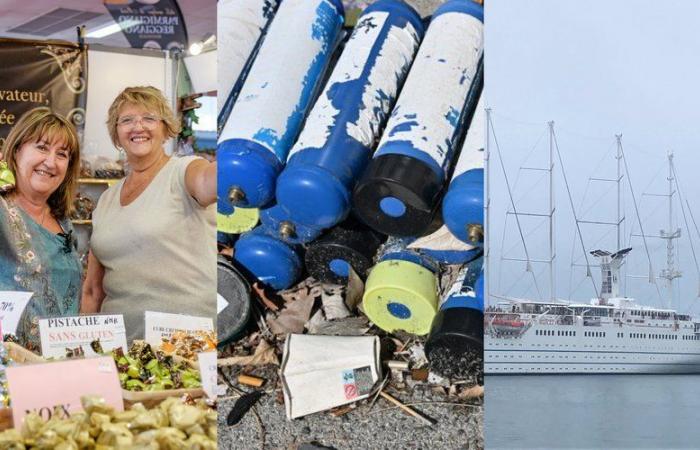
pixel 592 411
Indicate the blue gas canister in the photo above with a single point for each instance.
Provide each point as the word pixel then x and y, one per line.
pixel 274 100
pixel 314 190
pixel 399 192
pixel 463 205
pixel 455 345
pixel 241 25
pixel 268 259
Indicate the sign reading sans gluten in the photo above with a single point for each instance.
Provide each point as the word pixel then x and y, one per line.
pixel 58 334
pixel 161 325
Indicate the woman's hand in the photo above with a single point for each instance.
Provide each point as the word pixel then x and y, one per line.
pixel 93 292
pixel 200 181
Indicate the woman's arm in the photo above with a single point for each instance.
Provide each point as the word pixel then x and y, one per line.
pixel 200 181
pixel 93 292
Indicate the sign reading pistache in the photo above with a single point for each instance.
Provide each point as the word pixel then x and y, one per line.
pixel 153 24
pixel 62 334
pixel 47 73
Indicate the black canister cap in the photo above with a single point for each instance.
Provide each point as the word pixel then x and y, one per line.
pixel 397 195
pixel 455 346
pixel 350 244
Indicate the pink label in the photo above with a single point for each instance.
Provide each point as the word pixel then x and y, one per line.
pixel 54 389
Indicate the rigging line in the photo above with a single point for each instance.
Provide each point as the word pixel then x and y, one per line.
pixel 685 220
pixel 692 217
pixel 571 267
pixel 571 202
pixel 584 136
pixel 503 243
pixel 528 267
pixel 520 122
pixel 652 278
pixel 527 191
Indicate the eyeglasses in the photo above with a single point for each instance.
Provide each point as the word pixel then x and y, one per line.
pixel 131 121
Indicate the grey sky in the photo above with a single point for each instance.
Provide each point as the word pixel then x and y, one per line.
pixel 596 68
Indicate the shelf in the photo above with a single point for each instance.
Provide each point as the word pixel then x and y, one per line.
pixel 107 181
pixel 81 222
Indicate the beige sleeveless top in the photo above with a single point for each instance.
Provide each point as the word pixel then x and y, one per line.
pixel 159 251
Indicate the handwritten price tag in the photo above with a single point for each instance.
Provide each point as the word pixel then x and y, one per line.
pixel 12 305
pixel 161 325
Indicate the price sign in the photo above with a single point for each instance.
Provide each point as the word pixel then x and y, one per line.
pixel 207 368
pixel 54 389
pixel 161 326
pixel 12 305
pixel 61 333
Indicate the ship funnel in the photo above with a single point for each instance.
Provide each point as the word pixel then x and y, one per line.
pixel 610 264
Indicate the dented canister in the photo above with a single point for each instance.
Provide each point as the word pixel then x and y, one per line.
pixel 267 259
pixel 314 190
pixel 241 25
pixel 274 100
pixel 463 205
pixel 456 339
pixel 399 192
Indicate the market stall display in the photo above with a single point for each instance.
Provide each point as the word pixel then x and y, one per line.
pixel 172 424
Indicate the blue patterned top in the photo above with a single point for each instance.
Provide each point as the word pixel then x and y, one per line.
pixel 34 259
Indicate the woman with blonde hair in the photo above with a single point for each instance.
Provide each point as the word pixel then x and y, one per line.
pixel 153 244
pixel 37 250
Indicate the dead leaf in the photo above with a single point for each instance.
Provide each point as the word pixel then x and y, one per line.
pixel 264 354
pixel 350 326
pixel 354 290
pixel 292 318
pixel 269 300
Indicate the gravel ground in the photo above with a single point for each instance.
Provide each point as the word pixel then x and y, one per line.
pixel 459 426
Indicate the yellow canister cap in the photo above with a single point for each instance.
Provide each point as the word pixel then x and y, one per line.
pixel 401 295
pixel 240 221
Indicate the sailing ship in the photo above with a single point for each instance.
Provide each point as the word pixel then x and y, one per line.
pixel 611 333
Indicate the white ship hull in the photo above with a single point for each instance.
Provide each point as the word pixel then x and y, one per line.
pixel 537 348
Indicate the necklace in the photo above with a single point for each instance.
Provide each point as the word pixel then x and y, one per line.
pixel 40 219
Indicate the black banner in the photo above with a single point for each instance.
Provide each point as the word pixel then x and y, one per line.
pixel 154 24
pixel 48 73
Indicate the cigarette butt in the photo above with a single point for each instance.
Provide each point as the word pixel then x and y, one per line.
pixel 249 380
pixel 397 365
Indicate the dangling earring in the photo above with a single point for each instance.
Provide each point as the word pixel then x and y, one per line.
pixel 7 178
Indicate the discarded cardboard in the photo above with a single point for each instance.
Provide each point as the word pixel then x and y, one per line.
pixel 322 372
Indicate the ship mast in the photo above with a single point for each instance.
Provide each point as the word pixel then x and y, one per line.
pixel 670 273
pixel 552 255
pixel 487 206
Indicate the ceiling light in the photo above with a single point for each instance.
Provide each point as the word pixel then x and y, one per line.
pixel 111 29
pixel 207 41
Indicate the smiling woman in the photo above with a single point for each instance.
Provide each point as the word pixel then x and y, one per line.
pixel 153 243
pixel 36 249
